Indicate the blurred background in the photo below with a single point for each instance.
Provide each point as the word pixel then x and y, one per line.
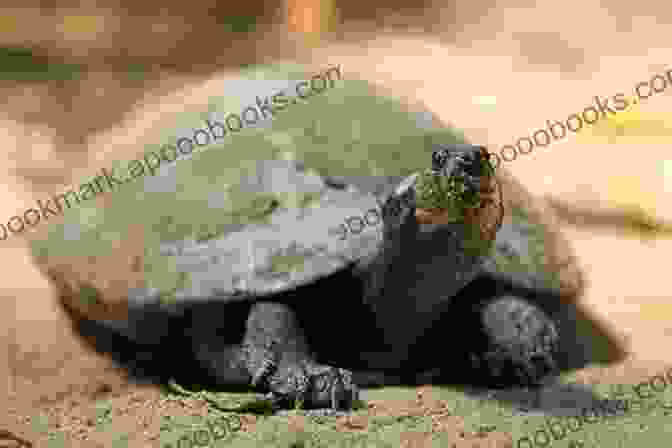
pixel 87 84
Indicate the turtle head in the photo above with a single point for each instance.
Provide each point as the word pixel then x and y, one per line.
pixel 461 190
pixel 459 179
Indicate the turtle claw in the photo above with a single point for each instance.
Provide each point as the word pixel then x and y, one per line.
pixel 267 368
pixel 309 385
pixel 349 385
pixel 334 399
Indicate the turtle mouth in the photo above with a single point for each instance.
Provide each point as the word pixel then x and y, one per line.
pixel 460 179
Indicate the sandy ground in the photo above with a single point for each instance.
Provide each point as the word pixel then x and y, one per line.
pixel 541 61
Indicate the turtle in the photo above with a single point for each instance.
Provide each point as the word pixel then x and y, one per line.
pixel 356 290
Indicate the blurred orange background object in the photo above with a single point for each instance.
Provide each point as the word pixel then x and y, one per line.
pixel 311 17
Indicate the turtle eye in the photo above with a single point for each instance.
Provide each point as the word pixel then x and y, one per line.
pixel 439 159
pixel 436 162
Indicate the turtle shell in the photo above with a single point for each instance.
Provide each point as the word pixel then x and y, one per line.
pixel 297 246
pixel 274 247
pixel 530 249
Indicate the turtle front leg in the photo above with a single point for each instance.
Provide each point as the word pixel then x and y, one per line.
pixel 263 345
pixel 279 360
pixel 516 341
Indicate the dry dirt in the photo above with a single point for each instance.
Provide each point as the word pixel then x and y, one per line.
pixel 541 61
